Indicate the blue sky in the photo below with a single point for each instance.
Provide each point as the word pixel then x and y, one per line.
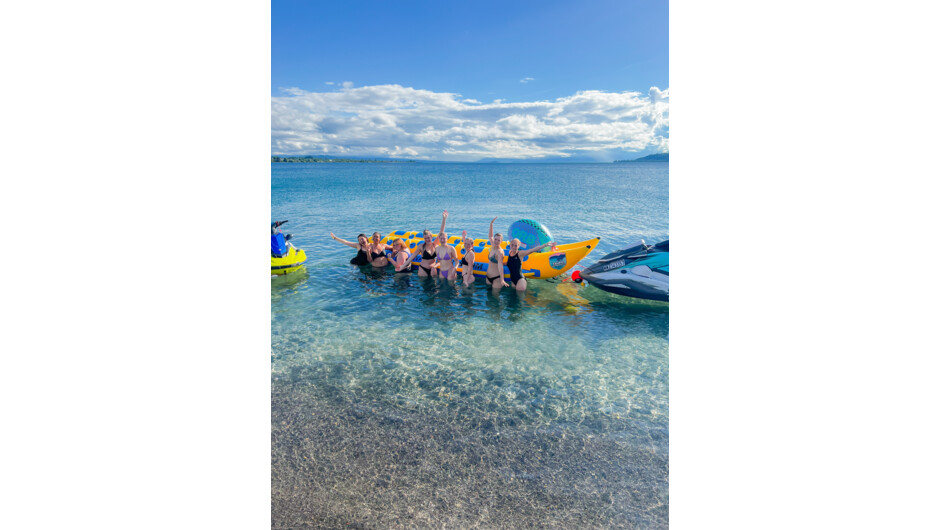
pixel 327 58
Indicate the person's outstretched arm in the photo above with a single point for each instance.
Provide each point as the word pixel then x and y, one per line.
pixel 443 223
pixel 523 253
pixel 343 241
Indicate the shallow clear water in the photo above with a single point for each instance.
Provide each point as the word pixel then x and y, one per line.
pixel 403 402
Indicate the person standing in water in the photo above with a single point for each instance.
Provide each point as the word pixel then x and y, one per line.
pixel 494 269
pixel 514 262
pixel 426 251
pixel 466 262
pixel 362 257
pixel 400 256
pixel 444 257
pixel 377 256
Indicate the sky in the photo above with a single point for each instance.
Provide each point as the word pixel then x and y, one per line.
pixel 470 81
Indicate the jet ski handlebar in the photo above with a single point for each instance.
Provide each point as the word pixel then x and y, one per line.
pixel 276 224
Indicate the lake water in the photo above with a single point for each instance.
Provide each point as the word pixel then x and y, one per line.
pixel 400 402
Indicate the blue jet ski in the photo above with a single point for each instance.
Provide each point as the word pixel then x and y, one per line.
pixel 640 271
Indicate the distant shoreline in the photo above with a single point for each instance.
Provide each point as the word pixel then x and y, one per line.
pixel 327 160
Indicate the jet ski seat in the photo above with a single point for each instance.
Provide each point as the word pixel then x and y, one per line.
pixel 278 246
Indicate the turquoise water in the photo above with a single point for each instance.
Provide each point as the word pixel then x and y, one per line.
pixel 407 402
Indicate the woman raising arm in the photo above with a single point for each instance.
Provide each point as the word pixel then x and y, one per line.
pixel 362 257
pixel 494 269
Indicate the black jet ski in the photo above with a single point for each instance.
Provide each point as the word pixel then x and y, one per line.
pixel 640 271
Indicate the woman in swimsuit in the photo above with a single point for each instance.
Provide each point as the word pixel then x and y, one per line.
pixel 467 260
pixel 444 257
pixel 494 269
pixel 514 262
pixel 426 251
pixel 400 256
pixel 362 257
pixel 377 256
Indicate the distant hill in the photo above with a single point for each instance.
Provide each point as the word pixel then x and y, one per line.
pixel 658 157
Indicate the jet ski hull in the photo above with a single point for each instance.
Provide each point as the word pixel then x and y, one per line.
pixel 639 272
pixel 293 261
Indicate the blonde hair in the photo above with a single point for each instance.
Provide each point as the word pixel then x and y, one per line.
pixel 465 247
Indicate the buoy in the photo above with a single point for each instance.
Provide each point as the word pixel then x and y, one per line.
pixel 576 276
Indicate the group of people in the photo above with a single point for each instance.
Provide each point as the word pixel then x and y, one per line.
pixel 439 260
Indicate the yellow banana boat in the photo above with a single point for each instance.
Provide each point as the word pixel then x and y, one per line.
pixel 540 265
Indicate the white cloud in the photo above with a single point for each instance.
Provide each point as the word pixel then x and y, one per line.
pixel 392 120
pixel 526 79
pixel 347 84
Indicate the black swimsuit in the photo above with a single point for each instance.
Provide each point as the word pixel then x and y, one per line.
pixel 514 264
pixel 360 259
pixel 425 255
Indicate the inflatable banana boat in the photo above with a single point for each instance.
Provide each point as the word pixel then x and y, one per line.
pixel 542 265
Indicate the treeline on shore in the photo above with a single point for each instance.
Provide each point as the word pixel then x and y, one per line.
pixel 318 159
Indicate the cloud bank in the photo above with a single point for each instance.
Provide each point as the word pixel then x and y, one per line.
pixel 396 121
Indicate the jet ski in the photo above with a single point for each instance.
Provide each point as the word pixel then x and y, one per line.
pixel 640 271
pixel 285 258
